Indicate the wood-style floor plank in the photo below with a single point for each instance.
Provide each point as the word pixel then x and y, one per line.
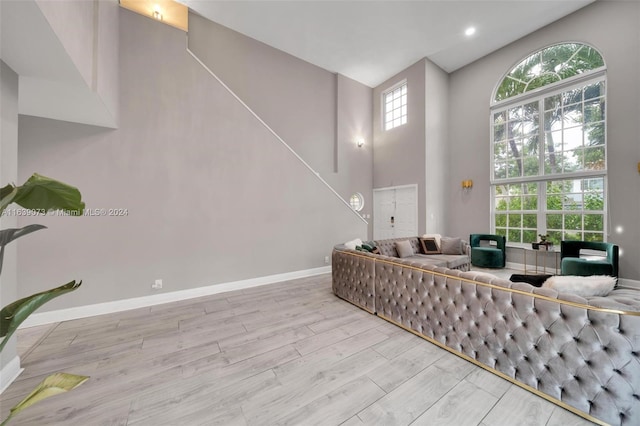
pixel 465 405
pixel 519 407
pixel 289 353
pixel 408 401
pixel 335 407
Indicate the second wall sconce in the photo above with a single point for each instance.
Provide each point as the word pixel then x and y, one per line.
pixel 467 184
pixel 157 13
pixel 360 142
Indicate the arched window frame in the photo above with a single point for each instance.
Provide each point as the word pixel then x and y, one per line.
pixel 535 186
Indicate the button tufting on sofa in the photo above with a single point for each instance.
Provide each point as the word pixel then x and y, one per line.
pixel 535 337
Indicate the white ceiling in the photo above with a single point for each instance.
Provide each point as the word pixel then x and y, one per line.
pixel 370 41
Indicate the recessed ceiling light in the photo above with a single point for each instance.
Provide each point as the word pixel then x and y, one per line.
pixel 470 31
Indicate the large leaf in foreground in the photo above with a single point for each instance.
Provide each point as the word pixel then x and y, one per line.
pixel 43 193
pixel 10 234
pixel 12 315
pixel 54 384
pixel 7 194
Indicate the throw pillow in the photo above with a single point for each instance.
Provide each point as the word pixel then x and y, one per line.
pixel 594 285
pixel 438 237
pixel 429 246
pixel 450 245
pixel 353 243
pixel 404 248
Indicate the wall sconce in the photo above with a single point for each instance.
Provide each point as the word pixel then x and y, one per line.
pixel 467 184
pixel 157 14
pixel 360 142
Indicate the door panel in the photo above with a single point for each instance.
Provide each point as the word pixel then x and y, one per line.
pixel 405 213
pixel 395 212
pixel 383 211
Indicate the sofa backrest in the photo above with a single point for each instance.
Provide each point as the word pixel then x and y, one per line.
pixel 388 247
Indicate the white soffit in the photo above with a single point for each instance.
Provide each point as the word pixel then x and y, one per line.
pixel 50 84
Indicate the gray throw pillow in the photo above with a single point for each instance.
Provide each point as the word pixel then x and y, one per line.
pixel 404 248
pixel 450 245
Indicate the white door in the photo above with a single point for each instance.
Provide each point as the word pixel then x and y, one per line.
pixel 384 207
pixel 395 212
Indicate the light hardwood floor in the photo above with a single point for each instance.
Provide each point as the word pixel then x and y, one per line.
pixel 287 353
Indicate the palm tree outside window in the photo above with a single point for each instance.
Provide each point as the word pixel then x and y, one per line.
pixel 548 147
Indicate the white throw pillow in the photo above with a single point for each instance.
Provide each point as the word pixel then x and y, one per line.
pixel 451 245
pixel 353 243
pixel 594 285
pixel 404 248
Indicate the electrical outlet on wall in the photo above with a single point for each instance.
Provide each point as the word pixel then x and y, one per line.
pixel 326 260
pixel 157 284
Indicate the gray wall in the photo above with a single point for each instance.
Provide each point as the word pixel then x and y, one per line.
pixel 417 152
pixel 8 174
pixel 318 113
pixel 612 27
pixel 399 153
pixel 211 196
pixel 106 74
pixel 355 164
pixel 436 148
pixel 73 23
pixel 296 99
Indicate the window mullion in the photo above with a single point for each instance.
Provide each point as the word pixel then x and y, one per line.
pixel 570 201
pixel 542 208
pixel 542 193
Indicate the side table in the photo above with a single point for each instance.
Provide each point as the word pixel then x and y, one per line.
pixel 544 255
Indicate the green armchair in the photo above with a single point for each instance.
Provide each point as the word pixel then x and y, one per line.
pixel 572 264
pixel 488 256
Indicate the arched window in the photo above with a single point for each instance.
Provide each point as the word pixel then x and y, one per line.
pixel 548 146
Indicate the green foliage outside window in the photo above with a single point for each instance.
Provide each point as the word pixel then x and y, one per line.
pixel 565 133
pixel 548 66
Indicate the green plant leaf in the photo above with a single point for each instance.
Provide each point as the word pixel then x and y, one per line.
pixel 12 315
pixel 52 385
pixel 10 234
pixel 6 190
pixel 7 194
pixel 43 193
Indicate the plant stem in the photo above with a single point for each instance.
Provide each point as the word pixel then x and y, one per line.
pixel 7 419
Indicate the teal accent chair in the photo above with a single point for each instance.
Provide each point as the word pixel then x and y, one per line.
pixel 572 264
pixel 486 256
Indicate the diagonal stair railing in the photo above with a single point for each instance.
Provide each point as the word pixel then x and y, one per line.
pixel 261 121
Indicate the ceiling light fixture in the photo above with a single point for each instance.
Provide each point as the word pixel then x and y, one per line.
pixel 470 31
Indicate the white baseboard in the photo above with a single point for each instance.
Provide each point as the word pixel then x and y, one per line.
pixel 9 373
pixel 516 266
pixel 158 299
pixel 627 283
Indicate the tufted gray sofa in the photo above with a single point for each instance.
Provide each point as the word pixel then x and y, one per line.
pixel 580 353
pixel 451 261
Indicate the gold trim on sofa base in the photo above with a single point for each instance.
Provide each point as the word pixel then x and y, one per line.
pixel 497 287
pixel 485 367
pixel 356 305
pixel 499 373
